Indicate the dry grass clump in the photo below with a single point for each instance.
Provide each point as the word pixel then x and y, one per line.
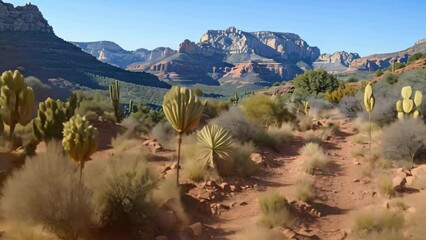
pixel 328 130
pixel 192 167
pixel 314 158
pixel 304 189
pixel 22 232
pixel 46 192
pixel 312 137
pixel 385 186
pixel 281 134
pixel 275 210
pixel 378 224
pixel 304 122
pixel 241 155
pixel 358 153
pixel 257 232
pixel 165 134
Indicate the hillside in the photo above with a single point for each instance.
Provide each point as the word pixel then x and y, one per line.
pixel 377 61
pixel 28 43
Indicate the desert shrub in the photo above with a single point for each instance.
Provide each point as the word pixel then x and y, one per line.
pixel 147 118
pixel 46 192
pixel 241 155
pixel 256 232
pixel 378 224
pixel 385 186
pixel 276 136
pixel 304 122
pixel 337 94
pixel 404 140
pixel 165 134
pixel 319 108
pixel 122 187
pixel 378 73
pixel 304 189
pixel 416 57
pixel 351 105
pixel 389 78
pixel 192 167
pixel 312 137
pixel 241 128
pixel 266 110
pixel 96 102
pixel 314 158
pixel 41 90
pixel 275 210
pixel 23 232
pixel 314 82
pixel 214 108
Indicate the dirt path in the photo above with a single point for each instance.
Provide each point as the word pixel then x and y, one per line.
pixel 338 193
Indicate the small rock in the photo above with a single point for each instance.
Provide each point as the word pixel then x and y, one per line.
pixel 197 229
pixel 212 184
pixel 166 220
pixel 409 180
pixel 258 159
pixel 356 180
pixel 225 187
pixel 243 203
pixel 398 183
pixel 356 162
pixel 290 234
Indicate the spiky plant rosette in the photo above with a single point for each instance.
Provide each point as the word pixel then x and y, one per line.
pixel 183 109
pixel 80 139
pixel 214 146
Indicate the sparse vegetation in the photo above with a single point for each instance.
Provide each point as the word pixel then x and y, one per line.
pixel 275 210
pixel 385 186
pixel 378 224
pixel 314 158
pixel 304 189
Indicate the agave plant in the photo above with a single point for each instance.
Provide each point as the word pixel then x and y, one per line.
pixel 183 109
pixel 369 102
pixel 214 146
pixel 80 140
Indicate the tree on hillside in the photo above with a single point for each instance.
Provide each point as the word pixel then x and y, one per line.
pixel 313 82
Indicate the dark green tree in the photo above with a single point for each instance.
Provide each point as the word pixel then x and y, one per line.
pixel 313 82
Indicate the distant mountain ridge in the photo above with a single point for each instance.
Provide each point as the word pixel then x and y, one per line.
pixel 28 43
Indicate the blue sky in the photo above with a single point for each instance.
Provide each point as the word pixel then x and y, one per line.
pixel 363 26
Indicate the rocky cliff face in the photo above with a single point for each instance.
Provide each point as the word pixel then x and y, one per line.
pixel 27 18
pixel 112 53
pixel 29 44
pixel 235 57
pixel 336 63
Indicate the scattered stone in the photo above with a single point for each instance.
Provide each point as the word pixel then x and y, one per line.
pixel 197 229
pixel 356 162
pixel 356 180
pixel 153 145
pixel 166 220
pixel 243 203
pixel 289 233
pixel 212 184
pixel 258 159
pixel 398 183
pixel 225 187
pixel 409 180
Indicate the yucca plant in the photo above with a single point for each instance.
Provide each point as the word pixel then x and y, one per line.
pixel 408 107
pixel 183 109
pixel 369 102
pixel 214 146
pixel 80 140
pixel 16 100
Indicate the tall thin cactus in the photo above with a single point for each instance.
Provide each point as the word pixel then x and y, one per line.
pixel 369 102
pixel 408 107
pixel 114 94
pixel 235 99
pixel 183 109
pixel 16 100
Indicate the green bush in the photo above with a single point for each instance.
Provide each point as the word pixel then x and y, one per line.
pixel 242 162
pixel 314 82
pixel 416 57
pixel 96 101
pixel 215 107
pixel 266 110
pixel 378 73
pixel 389 78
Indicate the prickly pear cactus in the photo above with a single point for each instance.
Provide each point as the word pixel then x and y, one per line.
pixel 50 119
pixel 16 100
pixel 408 107
pixel 80 139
